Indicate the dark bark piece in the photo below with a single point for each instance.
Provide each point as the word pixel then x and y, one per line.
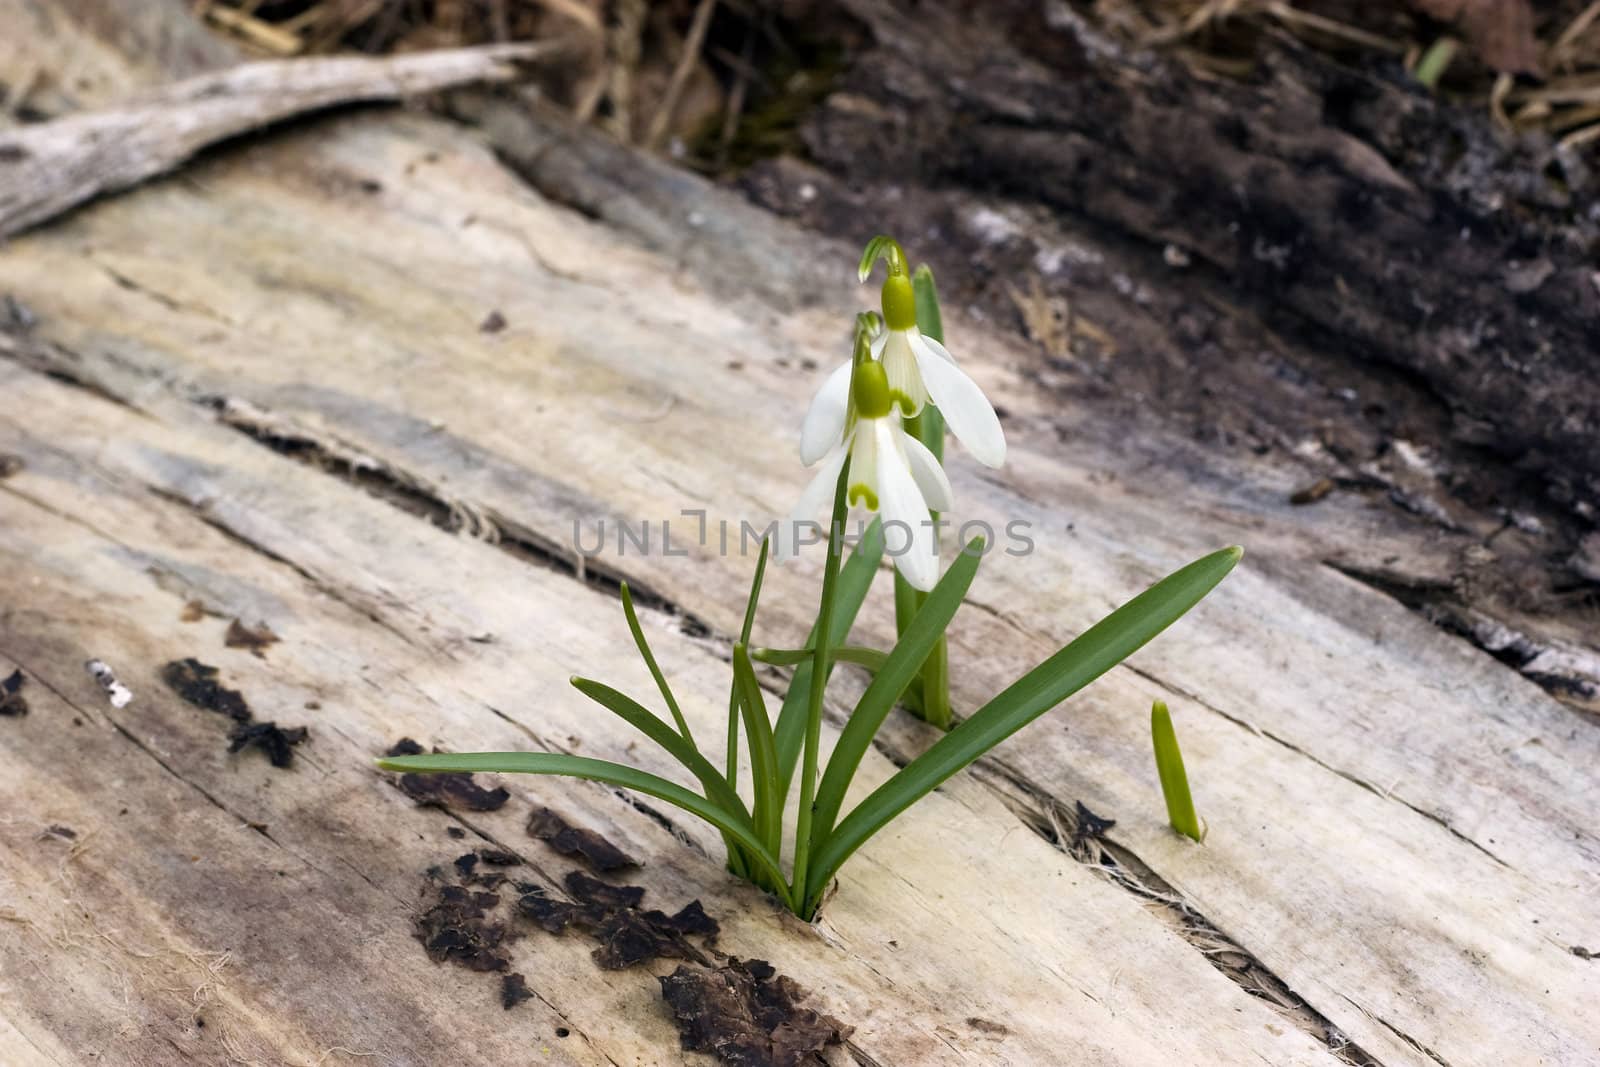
pixel 451 790
pixel 256 639
pixel 600 855
pixel 276 741
pixel 457 928
pixel 514 990
pixel 197 683
pixel 12 702
pixel 745 1014
pixel 610 914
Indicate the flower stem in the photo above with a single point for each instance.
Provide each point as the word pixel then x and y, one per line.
pixel 929 696
pixel 819 675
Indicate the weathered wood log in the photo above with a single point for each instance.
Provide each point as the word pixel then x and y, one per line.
pixel 262 393
pixel 1415 233
pixel 51 167
pixel 1321 262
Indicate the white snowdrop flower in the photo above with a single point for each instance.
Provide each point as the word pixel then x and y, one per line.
pixel 919 370
pixel 891 473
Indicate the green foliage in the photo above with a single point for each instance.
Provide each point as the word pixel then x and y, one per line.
pixel 1174 780
pixel 915 671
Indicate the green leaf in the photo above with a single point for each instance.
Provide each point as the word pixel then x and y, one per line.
pixel 650 661
pixel 904 661
pixel 763 756
pixel 855 578
pixel 599 771
pixel 869 658
pixel 717 788
pixel 735 862
pixel 1174 780
pixel 1097 650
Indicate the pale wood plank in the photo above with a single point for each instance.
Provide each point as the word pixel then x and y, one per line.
pixel 608 395
pixel 114 524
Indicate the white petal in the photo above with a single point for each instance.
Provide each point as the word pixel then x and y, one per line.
pixel 938 349
pixel 900 501
pixel 879 339
pixel 864 463
pixel 966 410
pixel 824 424
pixel 817 495
pixel 929 476
pixel 900 367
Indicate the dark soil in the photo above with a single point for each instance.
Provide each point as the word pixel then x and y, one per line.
pixel 595 851
pixel 452 791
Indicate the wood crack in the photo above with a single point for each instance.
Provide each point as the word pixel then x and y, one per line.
pixel 1384 794
pixel 1049 818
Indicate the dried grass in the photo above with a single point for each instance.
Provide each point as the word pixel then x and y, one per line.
pixel 1563 100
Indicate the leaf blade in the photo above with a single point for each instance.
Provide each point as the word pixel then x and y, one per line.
pixel 639 717
pixel 855 579
pixel 617 774
pixel 1091 654
pixel 902 666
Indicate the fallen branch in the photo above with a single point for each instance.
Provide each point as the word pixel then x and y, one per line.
pixel 52 167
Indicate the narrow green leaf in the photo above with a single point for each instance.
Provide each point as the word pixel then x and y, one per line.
pixel 1174 780
pixel 902 665
pixel 859 655
pixel 763 756
pixel 735 863
pixel 599 771
pixel 636 715
pixel 650 661
pixel 1097 650
pixel 855 578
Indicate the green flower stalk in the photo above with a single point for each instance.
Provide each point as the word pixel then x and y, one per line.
pixel 876 434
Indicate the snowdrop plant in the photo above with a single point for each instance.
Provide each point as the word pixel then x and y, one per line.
pixel 875 433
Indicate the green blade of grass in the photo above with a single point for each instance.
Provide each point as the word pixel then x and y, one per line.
pixel 736 862
pixel 1174 780
pixel 901 666
pixel 718 791
pixel 858 655
pixel 1096 651
pixel 650 661
pixel 616 774
pixel 763 755
pixel 855 578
